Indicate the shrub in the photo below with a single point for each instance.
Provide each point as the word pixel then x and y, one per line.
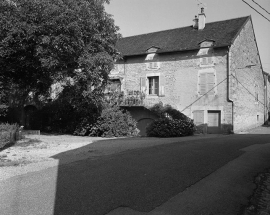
pixel 7 134
pixel 113 122
pixel 165 127
pixel 167 111
pixel 171 123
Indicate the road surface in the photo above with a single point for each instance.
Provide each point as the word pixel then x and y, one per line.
pixel 202 176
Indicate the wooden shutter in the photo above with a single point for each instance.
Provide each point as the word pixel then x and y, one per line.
pixel 162 84
pixel 210 83
pixel 202 83
pixel 143 84
pixel 156 85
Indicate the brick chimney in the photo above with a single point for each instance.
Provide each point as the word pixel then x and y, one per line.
pixel 201 23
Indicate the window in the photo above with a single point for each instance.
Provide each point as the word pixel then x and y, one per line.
pixel 150 56
pixel 207 82
pixel 198 117
pixel 153 85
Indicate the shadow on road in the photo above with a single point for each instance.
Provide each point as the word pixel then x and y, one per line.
pixel 141 178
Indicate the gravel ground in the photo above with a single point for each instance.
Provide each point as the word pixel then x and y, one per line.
pixel 35 152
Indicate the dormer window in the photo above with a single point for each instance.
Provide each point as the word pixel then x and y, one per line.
pixel 150 56
pixel 151 53
pixel 207 43
pixel 152 49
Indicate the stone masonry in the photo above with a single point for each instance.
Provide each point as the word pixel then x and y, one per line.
pixel 246 80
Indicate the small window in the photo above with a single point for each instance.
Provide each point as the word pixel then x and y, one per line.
pixel 153 85
pixel 150 56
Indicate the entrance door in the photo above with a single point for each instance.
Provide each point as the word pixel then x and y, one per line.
pixel 213 122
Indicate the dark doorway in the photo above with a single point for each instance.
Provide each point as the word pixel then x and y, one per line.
pixel 29 117
pixel 214 118
pixel 142 124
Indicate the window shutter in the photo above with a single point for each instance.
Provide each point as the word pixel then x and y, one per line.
pixel 143 84
pixel 162 85
pixel 156 80
pixel 202 84
pixel 210 83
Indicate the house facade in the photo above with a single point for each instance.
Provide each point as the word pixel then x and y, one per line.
pixel 211 72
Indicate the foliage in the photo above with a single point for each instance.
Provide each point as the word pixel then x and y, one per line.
pixel 164 127
pixel 113 122
pixel 6 132
pixel 71 109
pixel 165 111
pixel 171 123
pixel 43 41
pixel 3 101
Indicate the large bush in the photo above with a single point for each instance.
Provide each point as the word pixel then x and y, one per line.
pixel 171 123
pixel 113 122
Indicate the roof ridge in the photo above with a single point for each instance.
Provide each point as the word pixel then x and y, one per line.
pixel 182 27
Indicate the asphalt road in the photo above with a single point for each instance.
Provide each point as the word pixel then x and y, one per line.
pixel 203 176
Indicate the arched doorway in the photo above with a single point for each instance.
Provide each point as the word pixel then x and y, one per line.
pixel 142 124
pixel 29 117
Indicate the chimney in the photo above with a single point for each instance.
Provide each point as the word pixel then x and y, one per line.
pixel 201 23
pixel 196 20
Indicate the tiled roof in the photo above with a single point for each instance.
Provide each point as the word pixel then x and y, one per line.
pixel 181 39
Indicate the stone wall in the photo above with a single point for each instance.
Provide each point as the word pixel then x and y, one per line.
pixel 246 78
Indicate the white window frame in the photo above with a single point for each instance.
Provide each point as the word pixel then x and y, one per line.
pixel 147 83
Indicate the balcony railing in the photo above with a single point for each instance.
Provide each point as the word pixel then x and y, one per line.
pixel 127 98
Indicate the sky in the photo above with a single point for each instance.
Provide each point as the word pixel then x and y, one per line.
pixel 135 17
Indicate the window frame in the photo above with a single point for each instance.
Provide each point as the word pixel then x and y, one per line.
pixel 152 81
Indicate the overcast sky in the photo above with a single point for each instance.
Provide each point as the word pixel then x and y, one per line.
pixel 143 16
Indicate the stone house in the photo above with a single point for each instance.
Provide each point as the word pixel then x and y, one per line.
pixel 211 72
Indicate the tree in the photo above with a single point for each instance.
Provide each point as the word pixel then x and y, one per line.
pixel 43 41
